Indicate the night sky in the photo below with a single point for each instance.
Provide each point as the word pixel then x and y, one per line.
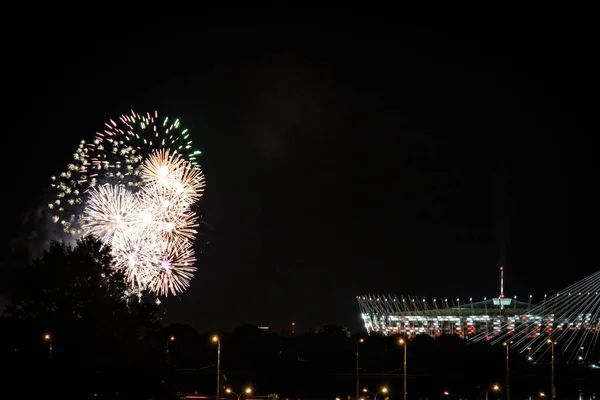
pixel 344 155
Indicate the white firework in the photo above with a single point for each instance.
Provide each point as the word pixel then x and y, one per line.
pixel 114 156
pixel 111 210
pixel 150 227
pixel 176 268
pixel 138 256
pixel 170 173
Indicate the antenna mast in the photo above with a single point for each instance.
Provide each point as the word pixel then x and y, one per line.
pixel 501 287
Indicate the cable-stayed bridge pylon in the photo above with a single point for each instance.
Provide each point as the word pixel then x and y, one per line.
pixel 570 319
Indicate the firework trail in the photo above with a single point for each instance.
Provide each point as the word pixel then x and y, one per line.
pixel 135 188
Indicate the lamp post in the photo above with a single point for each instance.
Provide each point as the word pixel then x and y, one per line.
pixel 216 339
pixel 495 387
pixel 358 342
pixel 48 338
pixel 403 342
pixel 552 343
pixel 246 391
pixel 170 339
pixel 383 390
pixel 507 345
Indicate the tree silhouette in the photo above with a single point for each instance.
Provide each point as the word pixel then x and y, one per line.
pixel 74 294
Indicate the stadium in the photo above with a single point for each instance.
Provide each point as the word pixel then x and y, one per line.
pixel 574 311
pixel 390 315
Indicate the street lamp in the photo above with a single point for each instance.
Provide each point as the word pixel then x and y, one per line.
pixel 495 387
pixel 48 338
pixel 507 345
pixel 383 390
pixel 359 341
pixel 170 339
pixel 403 342
pixel 248 390
pixel 552 343
pixel 450 395
pixel 217 340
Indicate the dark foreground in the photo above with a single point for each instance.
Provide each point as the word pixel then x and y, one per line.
pixel 45 381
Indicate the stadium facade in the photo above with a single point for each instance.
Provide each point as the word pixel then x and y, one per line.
pixel 390 315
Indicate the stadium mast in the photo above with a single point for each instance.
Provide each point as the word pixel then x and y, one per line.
pixel 501 287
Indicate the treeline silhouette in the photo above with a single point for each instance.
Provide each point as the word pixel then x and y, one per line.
pixel 69 332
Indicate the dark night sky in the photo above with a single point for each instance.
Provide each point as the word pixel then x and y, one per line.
pixel 357 156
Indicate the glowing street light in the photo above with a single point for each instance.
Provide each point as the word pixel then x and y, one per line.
pixel 383 390
pixel 495 387
pixel 170 339
pixel 448 394
pixel 217 340
pixel 48 338
pixel 247 391
pixel 403 342
pixel 359 341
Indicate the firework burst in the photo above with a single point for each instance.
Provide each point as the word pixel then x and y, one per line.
pixel 135 188
pixel 176 268
pixel 115 156
pixel 111 211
